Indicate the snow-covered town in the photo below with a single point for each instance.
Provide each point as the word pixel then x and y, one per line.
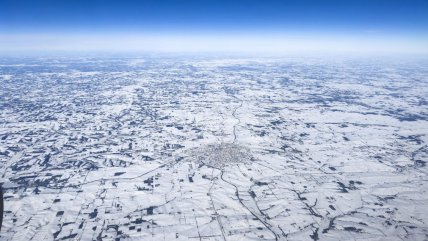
pixel 213 148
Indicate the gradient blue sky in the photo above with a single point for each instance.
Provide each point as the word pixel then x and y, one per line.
pixel 173 25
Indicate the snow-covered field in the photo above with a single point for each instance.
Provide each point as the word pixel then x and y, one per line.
pixel 204 148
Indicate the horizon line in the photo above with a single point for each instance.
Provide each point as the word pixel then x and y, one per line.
pixel 215 42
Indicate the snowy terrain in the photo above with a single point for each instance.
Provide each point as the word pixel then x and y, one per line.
pixel 204 148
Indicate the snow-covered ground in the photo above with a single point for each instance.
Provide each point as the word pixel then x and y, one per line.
pixel 194 148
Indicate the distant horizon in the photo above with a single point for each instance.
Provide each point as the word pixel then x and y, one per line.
pixel 255 27
pixel 277 44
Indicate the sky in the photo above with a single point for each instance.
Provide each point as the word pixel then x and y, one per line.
pixel 359 26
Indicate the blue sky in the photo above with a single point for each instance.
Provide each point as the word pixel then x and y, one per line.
pixel 346 25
